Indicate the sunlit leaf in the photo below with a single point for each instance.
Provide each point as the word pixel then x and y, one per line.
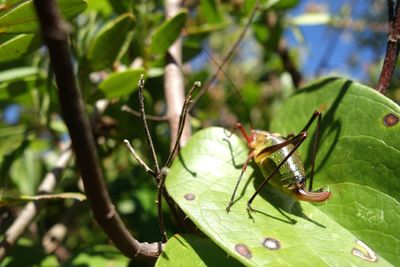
pixel 202 179
pixel 99 255
pixel 310 19
pixel 121 83
pixel 358 157
pixel 22 17
pixel 191 250
pixel 19 46
pixel 166 34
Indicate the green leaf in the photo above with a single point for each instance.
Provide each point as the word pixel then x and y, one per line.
pixel 15 84
pixel 99 255
pixel 358 157
pixel 19 46
pixel 167 33
pixel 191 250
pixel 280 4
pixel 22 18
pixel 121 83
pixel 37 256
pixel 111 41
pixel 209 11
pixel 283 231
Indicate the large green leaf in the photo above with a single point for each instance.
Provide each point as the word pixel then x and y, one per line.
pixel 18 46
pixel 111 41
pixel 121 83
pixel 203 176
pixel 191 250
pixel 358 157
pixel 166 34
pixel 22 17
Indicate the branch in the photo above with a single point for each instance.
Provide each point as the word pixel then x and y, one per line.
pixel 31 209
pixel 173 80
pixel 56 38
pixel 392 51
pixel 146 127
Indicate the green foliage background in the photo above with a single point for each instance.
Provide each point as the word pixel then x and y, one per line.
pixel 112 43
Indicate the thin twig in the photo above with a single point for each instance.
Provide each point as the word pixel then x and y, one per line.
pixel 31 209
pixel 146 127
pixel 148 117
pixel 55 37
pixel 139 160
pixel 392 52
pixel 163 174
pixel 228 56
pixel 182 120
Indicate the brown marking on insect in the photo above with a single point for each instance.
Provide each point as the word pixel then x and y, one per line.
pixel 190 197
pixel 243 250
pixel 390 120
pixel 271 243
pixel 362 251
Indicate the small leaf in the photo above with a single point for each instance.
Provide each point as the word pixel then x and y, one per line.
pixel 191 250
pixel 22 18
pixel 19 46
pixel 111 41
pixel 310 19
pixel 121 83
pixel 15 84
pixel 209 11
pixel 167 33
pixel 18 73
pixel 99 255
pixel 280 4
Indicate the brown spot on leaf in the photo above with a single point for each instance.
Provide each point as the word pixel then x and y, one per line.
pixel 390 120
pixel 190 197
pixel 243 250
pixel 271 243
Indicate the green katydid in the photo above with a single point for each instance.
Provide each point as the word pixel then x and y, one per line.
pixel 280 163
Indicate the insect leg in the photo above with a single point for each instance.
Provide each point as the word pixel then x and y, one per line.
pixel 250 157
pixel 296 141
pixel 314 154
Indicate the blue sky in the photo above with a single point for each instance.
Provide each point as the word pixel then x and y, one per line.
pixel 323 41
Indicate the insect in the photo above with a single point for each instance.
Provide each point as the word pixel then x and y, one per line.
pixel 280 163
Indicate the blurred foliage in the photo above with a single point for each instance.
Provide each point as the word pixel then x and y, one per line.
pixel 112 42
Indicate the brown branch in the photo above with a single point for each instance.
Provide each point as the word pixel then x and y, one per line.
pixel 56 38
pixel 146 127
pixel 392 53
pixel 148 117
pixel 31 209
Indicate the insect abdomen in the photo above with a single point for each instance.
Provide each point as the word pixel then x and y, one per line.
pixel 290 174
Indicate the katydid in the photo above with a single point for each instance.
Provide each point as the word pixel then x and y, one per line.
pixel 280 163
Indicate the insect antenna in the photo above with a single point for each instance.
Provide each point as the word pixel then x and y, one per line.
pixel 225 60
